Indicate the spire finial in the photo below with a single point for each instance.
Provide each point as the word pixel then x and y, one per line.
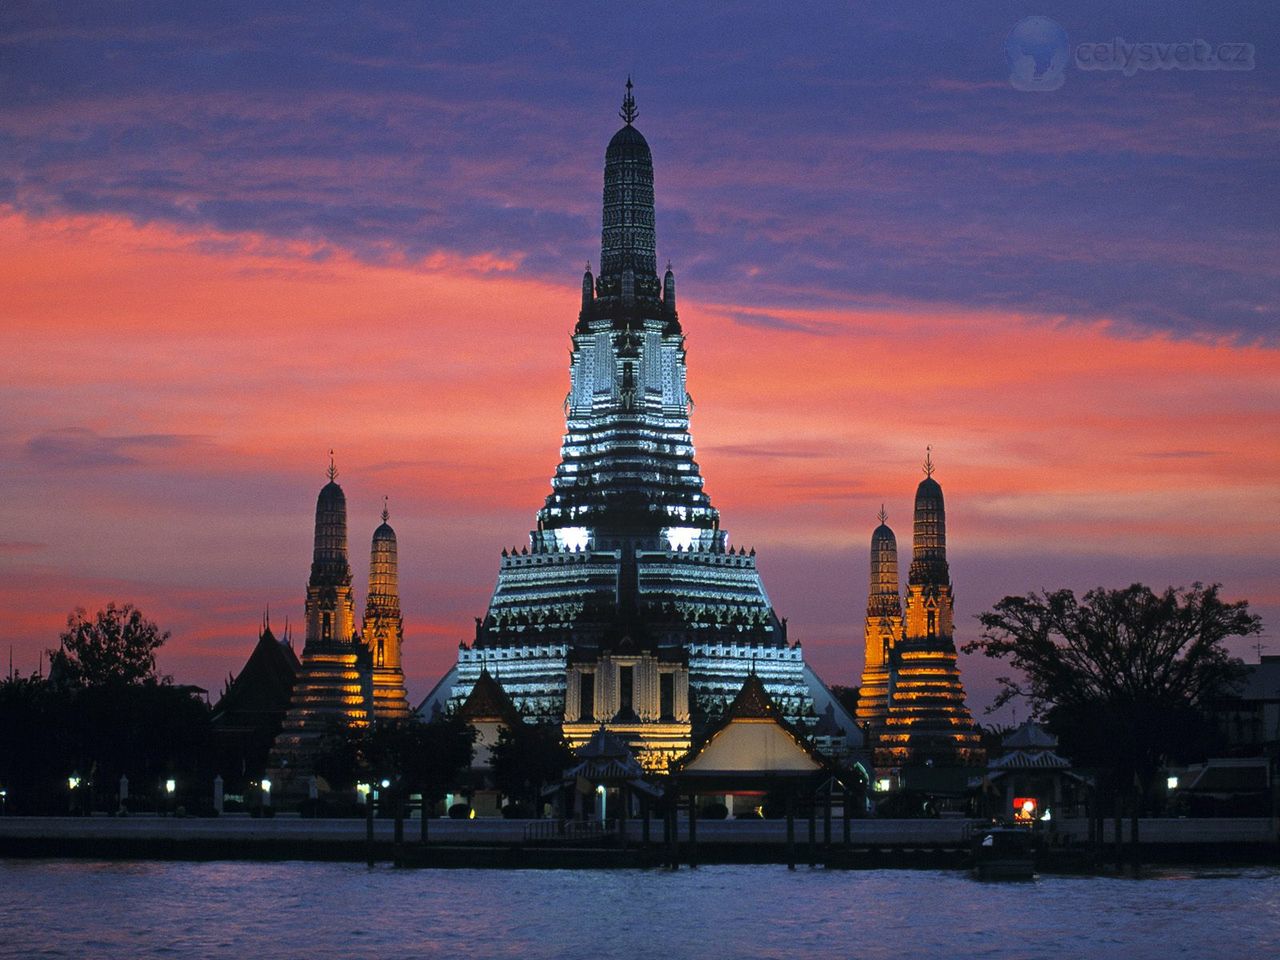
pixel 386 514
pixel 588 266
pixel 629 111
pixel 333 470
pixel 928 461
pixel 882 516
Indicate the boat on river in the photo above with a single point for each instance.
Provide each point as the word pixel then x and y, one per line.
pixel 1004 853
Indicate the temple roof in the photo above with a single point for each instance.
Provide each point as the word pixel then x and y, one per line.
pixel 488 701
pixel 752 739
pixel 753 702
pixel 263 685
pixel 1030 736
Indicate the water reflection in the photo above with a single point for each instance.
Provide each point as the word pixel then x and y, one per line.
pixel 269 910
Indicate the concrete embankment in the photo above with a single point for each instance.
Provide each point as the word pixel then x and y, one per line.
pixel 513 844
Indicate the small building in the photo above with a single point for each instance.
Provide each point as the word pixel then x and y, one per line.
pixel 1250 719
pixel 606 781
pixel 488 710
pixel 1226 787
pixel 752 754
pixel 1029 781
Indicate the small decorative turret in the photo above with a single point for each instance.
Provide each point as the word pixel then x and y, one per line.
pixel 588 291
pixel 383 626
pixel 669 292
pixel 929 548
pixel 330 607
pixel 883 599
pixel 883 627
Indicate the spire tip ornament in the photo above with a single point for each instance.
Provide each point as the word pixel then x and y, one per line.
pixel 928 461
pixel 333 470
pixel 629 111
pixel 882 516
pixel 386 514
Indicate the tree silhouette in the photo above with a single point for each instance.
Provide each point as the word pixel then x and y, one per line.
pixel 1122 677
pixel 118 646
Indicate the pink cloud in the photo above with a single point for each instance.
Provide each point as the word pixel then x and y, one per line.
pixel 439 382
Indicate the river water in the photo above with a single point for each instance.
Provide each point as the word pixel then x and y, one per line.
pixel 261 911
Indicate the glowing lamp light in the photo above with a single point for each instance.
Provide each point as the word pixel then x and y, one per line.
pixel 472 814
pixel 266 786
pixel 385 784
pixel 363 789
pixel 73 782
pixel 1046 817
pixel 1025 808
pixel 170 786
pixel 882 785
pixel 1172 783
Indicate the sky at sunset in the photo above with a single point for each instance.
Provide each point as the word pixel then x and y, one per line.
pixel 236 235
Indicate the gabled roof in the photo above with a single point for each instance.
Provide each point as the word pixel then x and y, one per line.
pixel 753 702
pixel 752 739
pixel 264 684
pixel 487 701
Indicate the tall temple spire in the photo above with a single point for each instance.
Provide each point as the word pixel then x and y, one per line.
pixel 383 631
pixel 927 718
pixel 330 615
pixel 883 627
pixel 627 608
pixel 929 543
pixel 627 242
pixel 333 680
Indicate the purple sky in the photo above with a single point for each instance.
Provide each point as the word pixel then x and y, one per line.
pixel 880 244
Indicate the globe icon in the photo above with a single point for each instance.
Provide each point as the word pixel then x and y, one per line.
pixel 1037 50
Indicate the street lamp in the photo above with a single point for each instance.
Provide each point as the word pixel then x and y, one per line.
pixel 170 786
pixel 266 792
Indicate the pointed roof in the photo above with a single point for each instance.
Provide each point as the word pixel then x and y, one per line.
pixel 488 701
pixel 265 682
pixel 753 702
pixel 721 753
pixel 605 756
pixel 1030 736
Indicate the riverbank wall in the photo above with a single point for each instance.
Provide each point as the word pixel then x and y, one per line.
pixel 872 844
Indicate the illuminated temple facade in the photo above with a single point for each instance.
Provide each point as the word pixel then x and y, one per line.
pixel 343 678
pixel 911 698
pixel 628 607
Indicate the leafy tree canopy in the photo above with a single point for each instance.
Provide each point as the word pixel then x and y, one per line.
pixel 528 757
pixel 117 646
pixel 1122 676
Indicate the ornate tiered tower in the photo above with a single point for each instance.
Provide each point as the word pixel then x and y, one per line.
pixel 927 718
pixel 333 683
pixel 628 606
pixel 383 627
pixel 883 628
